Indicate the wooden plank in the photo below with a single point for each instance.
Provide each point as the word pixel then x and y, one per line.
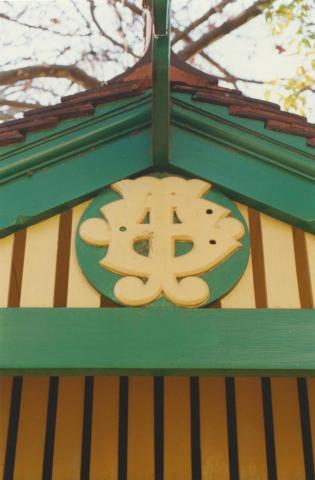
pixel 249 409
pixel 311 399
pixel 140 429
pixel 208 341
pixel 250 428
pixel 39 270
pixel 68 433
pixel 213 429
pixel 5 400
pixel 80 291
pixel 287 429
pixel 31 431
pixel 6 247
pixel 280 269
pixel 104 441
pixel 177 449
pixel 282 292
pixel 242 295
pixel 37 290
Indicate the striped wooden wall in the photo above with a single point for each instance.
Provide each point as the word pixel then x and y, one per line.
pixel 103 428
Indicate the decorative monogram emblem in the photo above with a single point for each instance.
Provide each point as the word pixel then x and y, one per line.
pixel 161 236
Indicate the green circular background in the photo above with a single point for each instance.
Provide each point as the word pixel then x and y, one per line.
pixel 220 279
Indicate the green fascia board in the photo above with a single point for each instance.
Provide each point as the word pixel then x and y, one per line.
pixel 54 172
pixel 157 341
pixel 247 164
pixel 56 169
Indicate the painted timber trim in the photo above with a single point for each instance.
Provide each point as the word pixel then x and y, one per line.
pixel 249 165
pixel 160 84
pixel 157 341
pixel 52 171
pixel 66 167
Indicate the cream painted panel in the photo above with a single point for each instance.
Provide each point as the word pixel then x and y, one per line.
pixel 282 292
pixel 243 294
pixel 6 248
pixel 38 282
pixel 310 246
pixel 279 259
pixel 80 292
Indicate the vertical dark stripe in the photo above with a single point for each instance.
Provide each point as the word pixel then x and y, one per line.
pixel 215 304
pixel 269 431
pixel 63 258
pixel 12 428
pixel 107 303
pixel 50 428
pixel 232 429
pixel 306 429
pixel 195 429
pixel 159 427
pixel 17 269
pixel 87 428
pixel 258 259
pixel 302 269
pixel 123 429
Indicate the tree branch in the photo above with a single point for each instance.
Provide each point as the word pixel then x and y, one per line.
pixel 39 27
pixel 18 105
pixel 227 27
pixel 217 9
pixel 102 31
pixel 70 72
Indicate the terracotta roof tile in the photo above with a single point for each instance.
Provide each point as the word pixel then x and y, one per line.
pixel 11 137
pixel 202 88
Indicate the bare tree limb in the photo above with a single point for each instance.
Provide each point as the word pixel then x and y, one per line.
pixel 217 9
pixel 217 33
pixel 18 105
pixel 102 31
pixel 71 72
pixel 39 27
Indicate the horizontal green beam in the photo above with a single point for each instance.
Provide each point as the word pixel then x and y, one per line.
pixel 157 341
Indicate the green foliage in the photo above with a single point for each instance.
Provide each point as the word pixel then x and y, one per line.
pixel 291 22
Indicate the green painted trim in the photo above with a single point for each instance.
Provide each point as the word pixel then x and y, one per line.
pixel 160 84
pixel 53 173
pixel 225 130
pixel 76 138
pixel 252 168
pixel 157 341
pixel 270 171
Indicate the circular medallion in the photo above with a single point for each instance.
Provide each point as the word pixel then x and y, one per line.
pixel 162 241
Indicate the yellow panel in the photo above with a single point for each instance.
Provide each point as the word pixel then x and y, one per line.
pixel 31 431
pixel 5 400
pixel 80 292
pixel 68 434
pixel 140 429
pixel 287 429
pixel 104 442
pixel 213 429
pixel 40 264
pixel 281 278
pixel 242 295
pixel 310 247
pixel 177 450
pixel 37 290
pixel 311 399
pixel 250 429
pixel 6 246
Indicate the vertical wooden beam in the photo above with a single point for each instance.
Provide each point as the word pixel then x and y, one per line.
pixel 160 84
